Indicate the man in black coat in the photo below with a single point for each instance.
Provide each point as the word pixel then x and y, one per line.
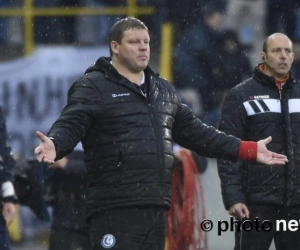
pixel 7 194
pixel 268 103
pixel 127 118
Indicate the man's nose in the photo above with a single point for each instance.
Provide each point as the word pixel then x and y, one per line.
pixel 144 46
pixel 283 55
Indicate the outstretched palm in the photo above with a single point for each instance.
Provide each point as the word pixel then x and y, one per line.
pixel 266 156
pixel 46 150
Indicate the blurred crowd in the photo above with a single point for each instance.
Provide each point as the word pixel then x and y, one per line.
pixel 213 49
pixel 215 41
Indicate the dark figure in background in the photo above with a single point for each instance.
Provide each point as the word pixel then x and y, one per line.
pixel 7 197
pixel 61 186
pixel 127 118
pixel 67 197
pixel 267 103
pixel 234 66
pixel 281 17
pixel 197 59
pixel 186 14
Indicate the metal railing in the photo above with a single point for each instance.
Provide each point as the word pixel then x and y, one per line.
pixel 29 12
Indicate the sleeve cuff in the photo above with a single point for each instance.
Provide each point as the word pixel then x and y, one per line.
pixel 12 199
pixel 8 192
pixel 248 151
pixel 7 189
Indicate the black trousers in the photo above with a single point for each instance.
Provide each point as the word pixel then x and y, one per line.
pixel 260 236
pixel 68 239
pixel 4 237
pixel 136 228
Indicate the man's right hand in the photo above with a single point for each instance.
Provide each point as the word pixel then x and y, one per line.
pixel 9 212
pixel 239 210
pixel 46 150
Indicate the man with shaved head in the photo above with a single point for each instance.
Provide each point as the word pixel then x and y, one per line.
pixel 268 103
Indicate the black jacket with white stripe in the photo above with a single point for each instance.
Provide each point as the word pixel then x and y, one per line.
pixel 127 137
pixel 254 110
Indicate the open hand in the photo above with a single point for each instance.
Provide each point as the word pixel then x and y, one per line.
pixel 46 150
pixel 268 157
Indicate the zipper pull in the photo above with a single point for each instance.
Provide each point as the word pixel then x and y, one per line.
pixel 279 94
pixel 281 86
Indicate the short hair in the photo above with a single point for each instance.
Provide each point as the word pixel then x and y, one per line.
pixel 265 43
pixel 265 46
pixel 117 31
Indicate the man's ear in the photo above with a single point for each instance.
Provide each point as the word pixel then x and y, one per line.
pixel 114 47
pixel 293 57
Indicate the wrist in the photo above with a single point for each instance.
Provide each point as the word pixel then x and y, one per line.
pixel 53 140
pixel 248 150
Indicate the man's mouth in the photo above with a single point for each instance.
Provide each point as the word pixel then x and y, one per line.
pixel 283 64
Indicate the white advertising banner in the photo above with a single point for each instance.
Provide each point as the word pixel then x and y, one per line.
pixel 33 91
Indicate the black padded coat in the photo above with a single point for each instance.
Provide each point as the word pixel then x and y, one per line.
pixel 127 137
pixel 254 110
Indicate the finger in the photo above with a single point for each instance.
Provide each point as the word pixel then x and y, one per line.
pixel 48 160
pixel 246 212
pixel 275 162
pixel 240 214
pixel 40 135
pixel 235 215
pixel 39 158
pixel 280 157
pixel 37 150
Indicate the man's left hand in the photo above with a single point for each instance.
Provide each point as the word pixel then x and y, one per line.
pixel 268 157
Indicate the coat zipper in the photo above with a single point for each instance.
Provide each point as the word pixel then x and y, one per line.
pixel 120 153
pixel 159 146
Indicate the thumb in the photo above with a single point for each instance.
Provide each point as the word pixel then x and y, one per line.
pixel 267 140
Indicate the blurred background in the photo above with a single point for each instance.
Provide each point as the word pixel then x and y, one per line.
pixel 203 47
